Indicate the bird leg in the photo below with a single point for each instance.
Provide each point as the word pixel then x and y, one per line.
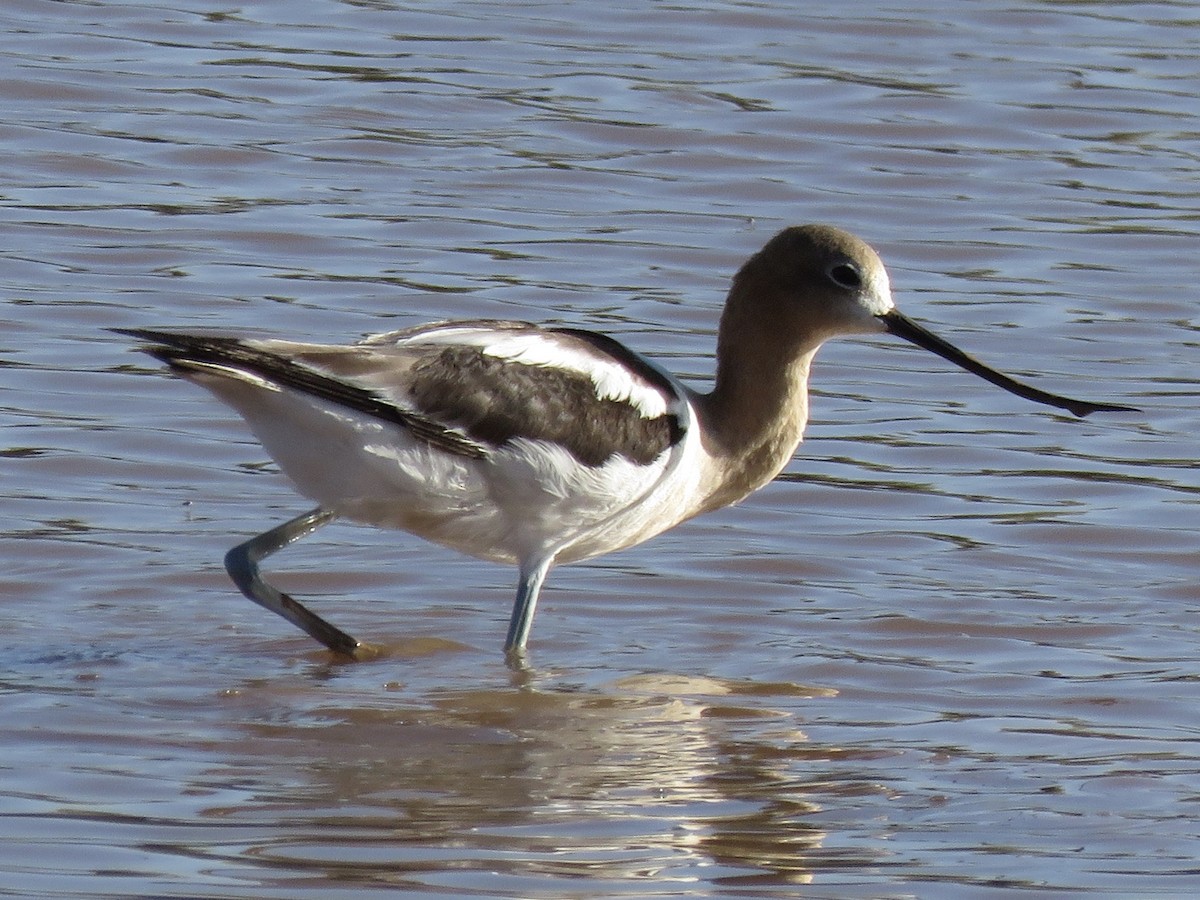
pixel 532 576
pixel 242 564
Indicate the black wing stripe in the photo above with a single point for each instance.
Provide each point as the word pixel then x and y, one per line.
pixel 496 400
pixel 613 348
pixel 180 350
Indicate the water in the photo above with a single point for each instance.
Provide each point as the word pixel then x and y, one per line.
pixel 952 652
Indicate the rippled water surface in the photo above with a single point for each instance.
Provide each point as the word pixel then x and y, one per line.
pixel 953 651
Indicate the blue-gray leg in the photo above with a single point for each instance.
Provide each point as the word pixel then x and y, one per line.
pixel 242 564
pixel 532 576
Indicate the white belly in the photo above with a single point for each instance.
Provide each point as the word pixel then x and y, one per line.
pixel 526 500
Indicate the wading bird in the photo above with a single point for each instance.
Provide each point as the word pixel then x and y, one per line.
pixel 535 445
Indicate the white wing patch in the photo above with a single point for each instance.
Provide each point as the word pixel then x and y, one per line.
pixel 533 348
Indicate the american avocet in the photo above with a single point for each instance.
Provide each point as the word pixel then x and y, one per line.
pixel 536 445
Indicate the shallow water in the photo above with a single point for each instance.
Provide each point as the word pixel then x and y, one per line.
pixel 952 651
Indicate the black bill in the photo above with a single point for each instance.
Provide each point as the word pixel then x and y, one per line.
pixel 902 326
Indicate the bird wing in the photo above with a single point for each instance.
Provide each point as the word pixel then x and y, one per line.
pixel 281 364
pixel 498 381
pixel 468 387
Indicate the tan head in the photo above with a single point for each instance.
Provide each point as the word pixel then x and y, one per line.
pixel 813 282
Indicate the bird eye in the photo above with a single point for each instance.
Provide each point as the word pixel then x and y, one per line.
pixel 846 275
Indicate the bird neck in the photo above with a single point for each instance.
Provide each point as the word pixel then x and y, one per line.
pixel 755 415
